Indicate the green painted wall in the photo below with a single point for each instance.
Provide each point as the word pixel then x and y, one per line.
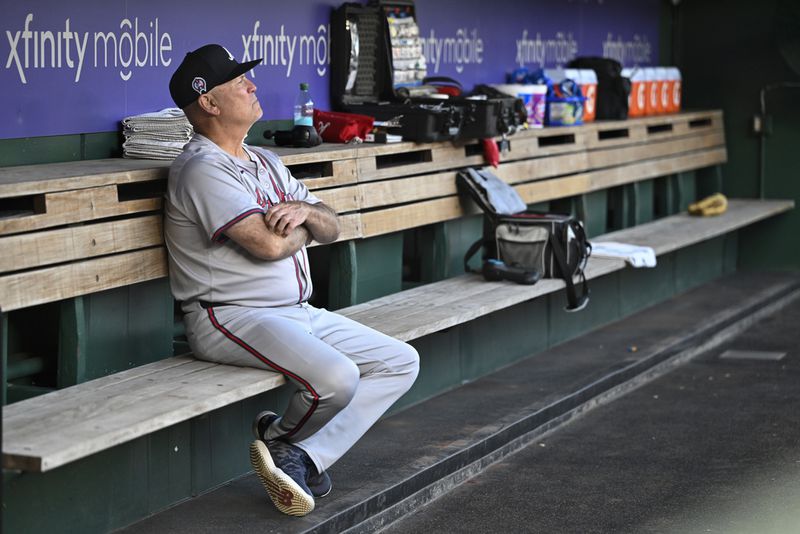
pixel 53 149
pixel 727 52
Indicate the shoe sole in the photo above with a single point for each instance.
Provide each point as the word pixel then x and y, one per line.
pixel 284 492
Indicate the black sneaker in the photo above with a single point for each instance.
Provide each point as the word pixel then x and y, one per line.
pixel 261 424
pixel 283 470
pixel 293 461
pixel 319 483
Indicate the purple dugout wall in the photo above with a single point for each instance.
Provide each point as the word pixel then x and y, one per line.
pixel 78 68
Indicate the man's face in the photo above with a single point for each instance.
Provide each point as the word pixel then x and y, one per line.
pixel 237 101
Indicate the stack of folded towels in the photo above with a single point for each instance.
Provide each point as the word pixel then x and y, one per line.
pixel 157 135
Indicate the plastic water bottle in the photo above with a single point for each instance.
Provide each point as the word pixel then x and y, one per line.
pixel 304 107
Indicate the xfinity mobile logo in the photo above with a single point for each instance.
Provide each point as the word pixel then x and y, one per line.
pixel 134 44
pixel 556 50
pixel 464 49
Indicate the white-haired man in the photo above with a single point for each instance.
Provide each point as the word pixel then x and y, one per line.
pixel 236 227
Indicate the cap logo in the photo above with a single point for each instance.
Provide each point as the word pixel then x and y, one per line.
pixel 199 85
pixel 230 56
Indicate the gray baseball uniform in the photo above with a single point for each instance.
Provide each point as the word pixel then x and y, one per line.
pixel 241 310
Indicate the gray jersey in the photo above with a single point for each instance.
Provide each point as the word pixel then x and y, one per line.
pixel 208 192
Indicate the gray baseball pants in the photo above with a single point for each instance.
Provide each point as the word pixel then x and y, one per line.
pixel 347 375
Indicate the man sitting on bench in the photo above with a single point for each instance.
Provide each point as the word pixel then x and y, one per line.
pixel 236 226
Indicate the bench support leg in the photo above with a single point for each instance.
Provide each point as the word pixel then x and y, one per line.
pixel 441 247
pixel 642 202
pixel 709 181
pixel 687 189
pixel 674 193
pixel 433 245
pixel 141 317
pixel 594 212
pixel 620 200
pixel 666 196
pixel 344 271
pixel 72 338
pixel 366 269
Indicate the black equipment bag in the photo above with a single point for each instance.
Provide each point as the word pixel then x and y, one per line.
pixel 485 112
pixel 362 75
pixel 511 113
pixel 378 71
pixel 612 88
pixel 520 241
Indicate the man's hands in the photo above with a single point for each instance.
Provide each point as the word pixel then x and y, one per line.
pixel 284 217
pixel 320 220
pixel 284 229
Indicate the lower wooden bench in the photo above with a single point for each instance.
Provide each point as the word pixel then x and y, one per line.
pixel 46 432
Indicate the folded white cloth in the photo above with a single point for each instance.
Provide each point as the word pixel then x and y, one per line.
pixel 152 151
pixel 636 255
pixel 161 115
pixel 156 135
pixel 144 128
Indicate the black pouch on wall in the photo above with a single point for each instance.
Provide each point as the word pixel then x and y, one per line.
pixel 612 88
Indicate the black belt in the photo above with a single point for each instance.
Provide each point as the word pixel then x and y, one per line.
pixel 206 305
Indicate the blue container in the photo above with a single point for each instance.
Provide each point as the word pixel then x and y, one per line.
pixel 564 111
pixel 564 104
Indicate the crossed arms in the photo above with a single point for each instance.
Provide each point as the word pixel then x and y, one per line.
pixel 284 229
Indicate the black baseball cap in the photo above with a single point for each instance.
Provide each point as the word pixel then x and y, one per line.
pixel 202 70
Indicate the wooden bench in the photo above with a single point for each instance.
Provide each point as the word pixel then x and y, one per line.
pixel 78 228
pixel 375 189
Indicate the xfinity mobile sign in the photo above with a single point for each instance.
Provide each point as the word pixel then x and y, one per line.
pixel 128 47
pixel 72 68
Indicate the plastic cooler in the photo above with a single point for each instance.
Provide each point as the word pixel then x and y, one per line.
pixel 637 99
pixel 650 91
pixel 587 78
pixel 674 89
pixel 662 79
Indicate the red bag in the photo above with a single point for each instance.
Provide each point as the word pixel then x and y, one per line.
pixel 337 127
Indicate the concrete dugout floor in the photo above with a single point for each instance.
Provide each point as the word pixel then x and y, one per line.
pixel 713 446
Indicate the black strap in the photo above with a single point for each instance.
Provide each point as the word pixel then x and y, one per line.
pixel 474 248
pixel 583 242
pixel 573 302
pixel 586 248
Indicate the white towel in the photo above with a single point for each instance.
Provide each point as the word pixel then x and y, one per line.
pixel 636 255
pixel 166 114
